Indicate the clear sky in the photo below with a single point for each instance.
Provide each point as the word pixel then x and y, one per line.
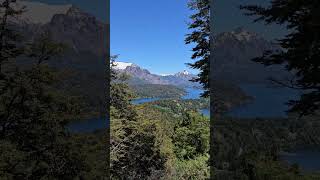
pixel 151 33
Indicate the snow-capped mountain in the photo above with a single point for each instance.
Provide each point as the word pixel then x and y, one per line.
pixel 138 75
pixel 122 65
pixel 182 79
pixel 184 74
pixel 141 75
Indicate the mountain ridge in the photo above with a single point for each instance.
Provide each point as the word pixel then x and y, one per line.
pixel 137 73
pixel 233 54
pixel 86 36
pixel 68 24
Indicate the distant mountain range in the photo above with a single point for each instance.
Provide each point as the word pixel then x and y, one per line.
pixel 140 75
pixel 81 31
pixel 233 54
pixel 87 37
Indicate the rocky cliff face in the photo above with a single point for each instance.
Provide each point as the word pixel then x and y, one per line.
pixel 84 61
pixel 80 31
pixel 139 73
pixel 85 36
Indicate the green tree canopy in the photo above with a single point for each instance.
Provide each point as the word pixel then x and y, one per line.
pixel 34 142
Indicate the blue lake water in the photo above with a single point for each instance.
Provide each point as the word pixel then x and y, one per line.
pixel 268 102
pixel 143 100
pixel 89 125
pixel 192 93
pixel 99 123
pixel 309 160
pixel 271 102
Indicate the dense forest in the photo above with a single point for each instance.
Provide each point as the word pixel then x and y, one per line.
pixel 250 148
pixel 164 139
pixel 150 141
pixel 35 142
pixel 157 90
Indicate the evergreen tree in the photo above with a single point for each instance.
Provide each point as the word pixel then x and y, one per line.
pixel 300 48
pixel 201 37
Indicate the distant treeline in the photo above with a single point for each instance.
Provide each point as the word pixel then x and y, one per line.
pixel 157 90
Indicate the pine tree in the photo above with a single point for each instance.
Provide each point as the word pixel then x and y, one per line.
pixel 201 37
pixel 300 47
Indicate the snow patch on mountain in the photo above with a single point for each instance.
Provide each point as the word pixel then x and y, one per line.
pixel 165 75
pixel 122 65
pixel 140 75
pixel 185 73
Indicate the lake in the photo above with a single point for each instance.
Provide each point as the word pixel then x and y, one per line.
pixel 143 100
pixel 90 125
pixel 94 124
pixel 192 93
pixel 269 102
pixel 309 160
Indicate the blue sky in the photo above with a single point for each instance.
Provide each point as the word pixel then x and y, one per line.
pixel 151 33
